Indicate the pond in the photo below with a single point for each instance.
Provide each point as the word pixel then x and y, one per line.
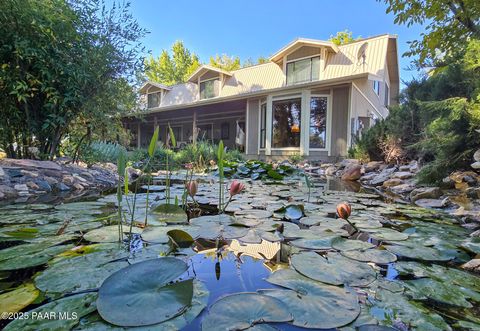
pixel 279 259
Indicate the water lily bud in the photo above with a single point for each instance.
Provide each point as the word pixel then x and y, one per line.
pixel 236 187
pixel 189 166
pixel 344 210
pixel 192 188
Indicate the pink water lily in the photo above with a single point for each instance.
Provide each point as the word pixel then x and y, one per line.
pixel 236 187
pixel 192 188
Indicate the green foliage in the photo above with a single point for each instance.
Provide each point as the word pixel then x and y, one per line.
pixel 153 143
pixel 343 38
pixel 102 151
pixel 172 69
pixel 225 62
pixel 450 24
pixel 63 63
pixel 249 62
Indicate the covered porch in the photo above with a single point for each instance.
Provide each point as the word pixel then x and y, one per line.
pixel 210 123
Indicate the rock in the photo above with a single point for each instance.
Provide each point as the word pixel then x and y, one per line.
pixel 372 166
pixel 402 188
pixel 51 181
pixel 432 203
pixel 44 185
pixel 476 155
pixel 404 168
pixel 330 171
pixel 62 187
pixel 2 172
pixel 448 183
pixel 475 165
pixel 78 187
pixel 68 180
pixel 473 192
pixel 8 191
pixel 346 163
pixel 29 173
pixel 392 182
pixel 475 234
pixel 2 196
pixel 21 187
pixel 472 265
pixel 26 163
pixel 402 174
pixel 32 185
pixel 14 173
pixel 354 172
pixel 425 193
pixel 414 166
pixel 368 177
pixel 470 180
pixel 23 194
pixel 383 176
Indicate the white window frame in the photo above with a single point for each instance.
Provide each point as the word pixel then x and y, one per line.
pixel 261 103
pixel 300 59
pixel 281 97
pixel 199 87
pixel 379 87
pixel 328 126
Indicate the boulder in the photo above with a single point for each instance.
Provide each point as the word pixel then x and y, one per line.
pixel 448 183
pixel 392 182
pixel 402 174
pixel 2 172
pixel 404 168
pixel 354 172
pixel 26 163
pixel 330 171
pixel 21 187
pixel 383 176
pixel 476 155
pixel 425 193
pixel 372 166
pixel 51 181
pixel 402 188
pixel 414 167
pixel 32 185
pixel 475 165
pixel 62 187
pixel 472 265
pixel 432 203
pixel 368 177
pixel 43 185
pixel 8 191
pixel 347 163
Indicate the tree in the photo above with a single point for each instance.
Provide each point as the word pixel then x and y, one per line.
pixel 343 37
pixel 225 62
pixel 450 24
pixel 250 62
pixel 171 70
pixel 63 63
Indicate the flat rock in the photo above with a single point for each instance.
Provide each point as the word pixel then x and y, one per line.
pixel 402 174
pixel 2 172
pixel 382 176
pixel 26 163
pixel 372 166
pixel 432 203
pixel 353 172
pixel 402 188
pixel 472 265
pixel 21 187
pixel 392 182
pixel 475 165
pixel 476 155
pixel 425 193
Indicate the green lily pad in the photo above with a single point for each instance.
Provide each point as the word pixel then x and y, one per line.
pixel 79 273
pixel 19 298
pixel 342 244
pixel 291 212
pixel 314 304
pixel 33 259
pixel 72 308
pixel 243 310
pixel 322 243
pixel 125 298
pixel 108 234
pixel 472 245
pixel 377 256
pixel 180 238
pixel 388 235
pixel 333 269
pixel 171 214
pixel 26 249
pixel 419 253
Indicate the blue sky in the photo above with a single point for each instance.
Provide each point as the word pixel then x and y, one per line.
pixel 253 28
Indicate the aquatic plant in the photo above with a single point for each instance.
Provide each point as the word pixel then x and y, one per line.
pixel 122 172
pixel 221 176
pixel 344 210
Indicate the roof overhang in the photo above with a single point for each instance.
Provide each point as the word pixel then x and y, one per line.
pixel 145 87
pixel 203 70
pixel 300 42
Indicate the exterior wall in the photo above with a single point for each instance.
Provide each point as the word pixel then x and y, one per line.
pixel 340 122
pixel 366 87
pixel 253 126
pixel 304 52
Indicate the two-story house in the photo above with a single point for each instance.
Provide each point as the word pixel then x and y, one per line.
pixel 313 98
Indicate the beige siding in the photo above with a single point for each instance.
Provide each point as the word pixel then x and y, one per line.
pixel 366 87
pixel 340 121
pixel 253 126
pixel 303 52
pixel 210 75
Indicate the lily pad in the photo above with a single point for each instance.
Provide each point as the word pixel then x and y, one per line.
pixel 19 298
pixel 388 235
pixel 322 243
pixel 419 253
pixel 333 269
pixel 108 234
pixel 125 298
pixel 72 308
pixel 371 255
pixel 314 304
pixel 291 212
pixel 33 259
pixel 171 214
pixel 342 244
pixel 243 310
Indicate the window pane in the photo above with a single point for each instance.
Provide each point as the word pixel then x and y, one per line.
pixel 153 100
pixel 263 123
pixel 207 89
pixel 318 122
pixel 290 73
pixel 302 71
pixel 316 68
pixel 286 123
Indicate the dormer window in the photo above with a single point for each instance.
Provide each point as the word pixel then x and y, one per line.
pixel 154 99
pixel 304 70
pixel 207 88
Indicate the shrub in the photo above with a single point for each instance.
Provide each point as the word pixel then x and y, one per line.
pixel 101 151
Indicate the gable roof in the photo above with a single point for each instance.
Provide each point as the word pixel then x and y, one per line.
pixel 204 69
pixel 300 42
pixel 148 84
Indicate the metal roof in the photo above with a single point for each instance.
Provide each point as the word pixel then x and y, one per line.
pixel 300 42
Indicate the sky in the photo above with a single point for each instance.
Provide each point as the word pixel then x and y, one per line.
pixel 253 28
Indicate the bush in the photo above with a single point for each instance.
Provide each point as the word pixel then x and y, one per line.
pixel 101 151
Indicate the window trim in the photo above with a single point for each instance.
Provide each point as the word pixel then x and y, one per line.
pixel 280 98
pixel 379 87
pixel 311 71
pixel 160 100
pixel 200 84
pixel 261 103
pixel 328 125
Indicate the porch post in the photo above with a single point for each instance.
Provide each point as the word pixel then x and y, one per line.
pixel 304 124
pixel 268 129
pixel 194 129
pixel 139 134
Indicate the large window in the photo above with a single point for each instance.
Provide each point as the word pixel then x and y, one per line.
pixel 154 99
pixel 207 89
pixel 318 122
pixel 263 125
pixel 305 70
pixel 286 123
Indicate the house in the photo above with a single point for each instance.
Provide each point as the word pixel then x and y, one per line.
pixel 313 98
